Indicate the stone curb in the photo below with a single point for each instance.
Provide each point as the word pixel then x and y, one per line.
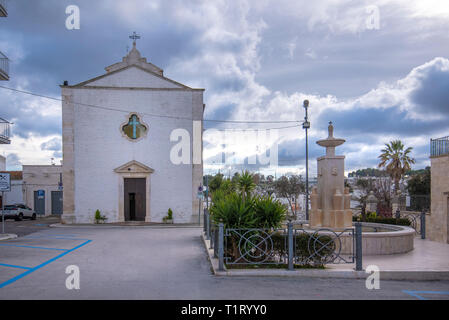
pixel 7 236
pixel 161 226
pixel 326 273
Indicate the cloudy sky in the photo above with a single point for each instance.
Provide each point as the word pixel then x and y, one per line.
pixel 258 60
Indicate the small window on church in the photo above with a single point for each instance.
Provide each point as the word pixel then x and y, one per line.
pixel 134 129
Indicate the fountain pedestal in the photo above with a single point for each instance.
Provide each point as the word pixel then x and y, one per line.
pixel 330 200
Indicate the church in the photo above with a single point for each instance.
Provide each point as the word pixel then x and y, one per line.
pixel 117 143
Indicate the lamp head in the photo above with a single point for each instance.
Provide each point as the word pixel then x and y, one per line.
pixel 306 103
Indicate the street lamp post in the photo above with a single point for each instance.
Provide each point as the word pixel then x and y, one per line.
pixel 306 126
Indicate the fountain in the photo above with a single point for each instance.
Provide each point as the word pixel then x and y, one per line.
pixel 331 213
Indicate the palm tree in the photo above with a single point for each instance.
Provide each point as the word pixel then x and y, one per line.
pixel 396 160
pixel 245 183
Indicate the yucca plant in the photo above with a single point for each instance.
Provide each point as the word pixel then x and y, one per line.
pixel 245 184
pixel 269 212
pixel 234 211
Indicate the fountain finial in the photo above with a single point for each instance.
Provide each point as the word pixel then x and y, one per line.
pixel 330 128
pixel 330 143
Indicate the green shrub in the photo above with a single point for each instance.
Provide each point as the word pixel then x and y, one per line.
pixel 394 221
pixel 234 211
pixel 269 212
pixel 371 215
pixel 169 215
pixel 98 217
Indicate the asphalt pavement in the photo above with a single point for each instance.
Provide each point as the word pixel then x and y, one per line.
pixel 117 262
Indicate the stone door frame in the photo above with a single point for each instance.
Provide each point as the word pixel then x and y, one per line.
pixel 130 170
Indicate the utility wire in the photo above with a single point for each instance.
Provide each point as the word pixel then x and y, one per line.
pixel 155 115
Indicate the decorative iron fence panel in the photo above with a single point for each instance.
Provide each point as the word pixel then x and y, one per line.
pixel 310 247
pixel 255 246
pixel 324 246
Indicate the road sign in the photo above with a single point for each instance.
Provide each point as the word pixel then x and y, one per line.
pixel 40 194
pixel 5 182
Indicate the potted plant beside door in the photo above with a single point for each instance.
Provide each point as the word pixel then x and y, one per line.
pixel 169 217
pixel 99 218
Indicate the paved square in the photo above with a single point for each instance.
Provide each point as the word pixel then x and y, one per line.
pixel 157 263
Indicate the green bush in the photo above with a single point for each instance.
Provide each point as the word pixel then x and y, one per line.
pixel 269 212
pixel 98 217
pixel 394 221
pixel 371 215
pixel 169 215
pixel 234 211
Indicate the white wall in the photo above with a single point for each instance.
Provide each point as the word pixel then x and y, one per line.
pixel 2 163
pixel 40 177
pixel 16 193
pixel 100 148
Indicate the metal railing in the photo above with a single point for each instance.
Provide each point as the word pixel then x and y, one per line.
pixel 5 132
pixel 284 247
pixel 417 221
pixel 4 67
pixel 439 147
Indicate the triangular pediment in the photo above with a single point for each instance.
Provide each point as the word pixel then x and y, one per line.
pixel 134 167
pixel 132 76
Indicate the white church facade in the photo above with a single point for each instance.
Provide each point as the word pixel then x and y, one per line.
pixel 117 146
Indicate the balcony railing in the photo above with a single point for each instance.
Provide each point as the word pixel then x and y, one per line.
pixel 4 67
pixel 3 11
pixel 439 147
pixel 4 132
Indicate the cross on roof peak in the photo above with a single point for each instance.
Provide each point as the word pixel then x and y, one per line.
pixel 134 36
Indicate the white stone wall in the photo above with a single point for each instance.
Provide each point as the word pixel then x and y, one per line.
pixel 16 193
pixel 99 147
pixel 437 223
pixel 2 163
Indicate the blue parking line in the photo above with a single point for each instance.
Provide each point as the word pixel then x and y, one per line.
pixel 4 284
pixel 33 247
pixel 52 238
pixel 417 294
pixel 14 266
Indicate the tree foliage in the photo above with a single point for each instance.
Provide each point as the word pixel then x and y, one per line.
pixel 419 183
pixel 396 160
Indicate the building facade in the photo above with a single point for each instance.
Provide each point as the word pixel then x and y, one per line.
pixel 120 132
pixel 437 227
pixel 42 188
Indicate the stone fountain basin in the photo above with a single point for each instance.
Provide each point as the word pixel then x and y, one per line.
pixel 377 239
pixel 330 142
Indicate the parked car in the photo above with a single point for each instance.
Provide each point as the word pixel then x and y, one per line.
pixel 18 212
